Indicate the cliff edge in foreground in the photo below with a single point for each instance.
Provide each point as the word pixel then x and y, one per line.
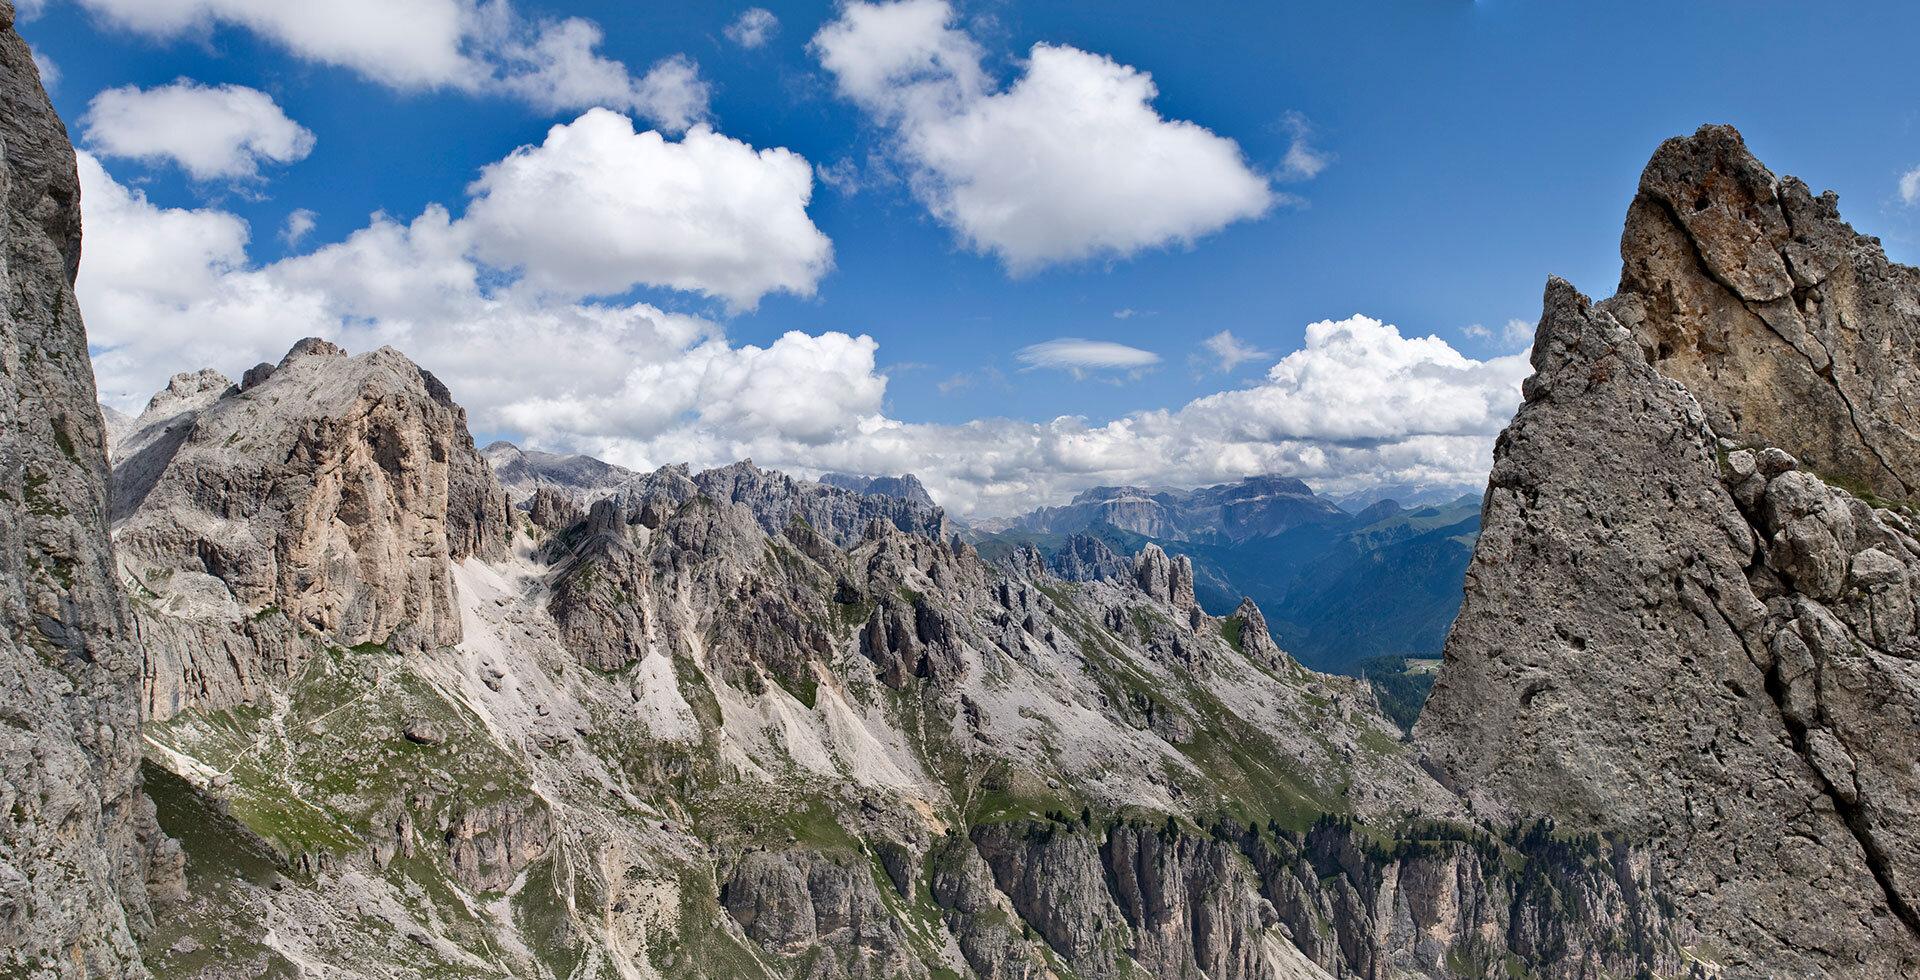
pixel 1674 627
pixel 77 837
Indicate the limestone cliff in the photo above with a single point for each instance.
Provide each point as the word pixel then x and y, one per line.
pixel 77 837
pixel 1676 631
pixel 328 497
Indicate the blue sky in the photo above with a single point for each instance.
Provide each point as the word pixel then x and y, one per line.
pixel 1446 158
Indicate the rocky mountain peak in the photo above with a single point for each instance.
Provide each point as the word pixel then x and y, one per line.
pixel 316 347
pixel 1707 643
pixel 524 471
pixel 188 392
pixel 334 490
pixel 1789 328
pixel 1167 579
pixel 906 486
pixel 1379 510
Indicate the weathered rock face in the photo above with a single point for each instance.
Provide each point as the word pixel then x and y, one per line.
pixel 906 487
pixel 646 548
pixel 78 840
pixel 488 845
pixel 1247 627
pixel 552 509
pixel 333 491
pixel 1788 328
pixel 1712 657
pixel 1169 580
pixel 1088 559
pixel 841 515
pixel 1244 902
pixel 805 906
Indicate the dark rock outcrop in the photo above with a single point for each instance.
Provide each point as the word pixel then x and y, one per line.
pixel 78 839
pixel 1088 559
pixel 803 904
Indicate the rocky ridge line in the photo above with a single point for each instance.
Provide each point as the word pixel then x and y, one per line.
pixel 1791 329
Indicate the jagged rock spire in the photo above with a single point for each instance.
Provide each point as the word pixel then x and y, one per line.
pixel 1700 646
pixel 1789 328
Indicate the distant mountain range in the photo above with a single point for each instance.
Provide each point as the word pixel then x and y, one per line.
pixel 1339 587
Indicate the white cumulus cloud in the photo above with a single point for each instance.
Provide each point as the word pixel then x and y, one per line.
pixel 470 45
pixel 1910 187
pixel 1068 163
pixel 1359 404
pixel 558 69
pixel 210 131
pixel 1359 381
pixel 165 290
pixel 599 208
pixel 754 27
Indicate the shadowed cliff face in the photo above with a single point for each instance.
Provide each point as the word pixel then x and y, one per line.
pixel 77 838
pixel 1676 630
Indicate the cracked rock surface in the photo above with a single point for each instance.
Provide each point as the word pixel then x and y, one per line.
pixel 1790 329
pixel 1710 651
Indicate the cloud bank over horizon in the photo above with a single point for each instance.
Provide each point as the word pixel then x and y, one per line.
pixel 167 290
